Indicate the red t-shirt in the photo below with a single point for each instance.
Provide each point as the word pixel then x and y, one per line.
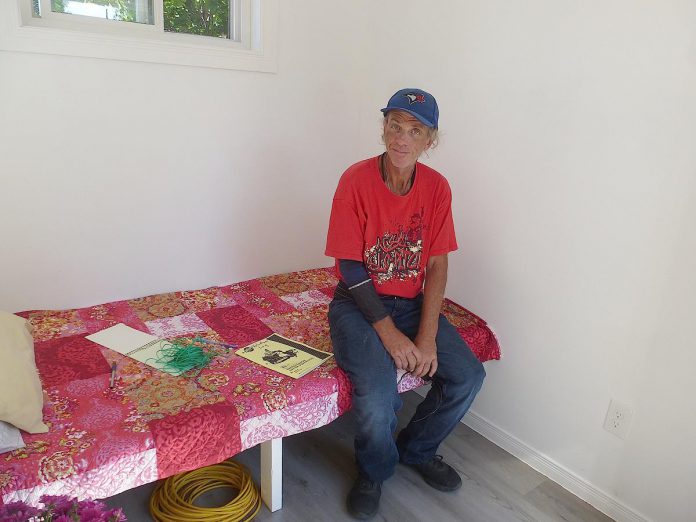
pixel 393 235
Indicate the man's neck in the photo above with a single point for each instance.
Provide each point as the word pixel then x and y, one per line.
pixel 398 180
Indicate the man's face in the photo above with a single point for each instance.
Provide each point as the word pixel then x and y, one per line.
pixel 405 138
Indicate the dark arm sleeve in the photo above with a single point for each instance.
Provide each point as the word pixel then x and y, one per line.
pixel 362 290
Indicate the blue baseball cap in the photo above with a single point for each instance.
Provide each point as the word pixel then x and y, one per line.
pixel 416 102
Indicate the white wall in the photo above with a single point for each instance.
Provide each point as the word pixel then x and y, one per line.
pixel 568 141
pixel 123 179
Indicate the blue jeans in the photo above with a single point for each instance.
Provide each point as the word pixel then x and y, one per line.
pixel 361 354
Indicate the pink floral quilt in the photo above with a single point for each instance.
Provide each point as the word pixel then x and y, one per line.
pixel 151 425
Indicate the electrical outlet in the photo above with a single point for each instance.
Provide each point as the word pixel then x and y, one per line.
pixel 618 419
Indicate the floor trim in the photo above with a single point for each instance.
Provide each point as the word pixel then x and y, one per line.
pixel 547 467
pixel 544 465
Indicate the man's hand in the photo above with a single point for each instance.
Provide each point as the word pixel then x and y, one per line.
pixel 428 362
pixel 433 292
pixel 405 353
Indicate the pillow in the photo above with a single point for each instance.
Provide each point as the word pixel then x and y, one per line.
pixel 21 397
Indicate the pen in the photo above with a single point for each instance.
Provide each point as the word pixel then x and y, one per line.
pixel 113 375
pixel 208 341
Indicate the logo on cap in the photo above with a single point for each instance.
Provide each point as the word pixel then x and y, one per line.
pixel 413 98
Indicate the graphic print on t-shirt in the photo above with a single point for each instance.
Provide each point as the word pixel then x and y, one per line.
pixel 397 255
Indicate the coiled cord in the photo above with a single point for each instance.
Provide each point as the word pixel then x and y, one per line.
pixel 173 499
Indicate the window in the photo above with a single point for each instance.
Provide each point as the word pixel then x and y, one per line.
pixel 233 34
pixel 120 10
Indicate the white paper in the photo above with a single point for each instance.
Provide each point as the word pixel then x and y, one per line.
pixel 10 437
pixel 121 338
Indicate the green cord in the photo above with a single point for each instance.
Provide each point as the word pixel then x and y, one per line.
pixel 188 356
pixel 178 358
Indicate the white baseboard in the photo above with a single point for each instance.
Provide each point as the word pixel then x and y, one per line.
pixel 560 475
pixel 547 467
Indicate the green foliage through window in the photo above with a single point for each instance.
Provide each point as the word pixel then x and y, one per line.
pixel 122 10
pixel 202 17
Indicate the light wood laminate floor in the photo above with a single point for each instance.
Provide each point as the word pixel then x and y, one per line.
pixel 318 471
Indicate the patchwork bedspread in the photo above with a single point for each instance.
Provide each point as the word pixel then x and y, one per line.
pixel 151 425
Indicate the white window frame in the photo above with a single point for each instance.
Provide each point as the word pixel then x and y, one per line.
pixel 75 35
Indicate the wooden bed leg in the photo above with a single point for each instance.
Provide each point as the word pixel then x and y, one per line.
pixel 272 473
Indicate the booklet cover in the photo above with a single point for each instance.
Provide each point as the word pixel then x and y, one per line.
pixel 284 355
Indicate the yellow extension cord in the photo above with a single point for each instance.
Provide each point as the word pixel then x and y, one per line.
pixel 172 500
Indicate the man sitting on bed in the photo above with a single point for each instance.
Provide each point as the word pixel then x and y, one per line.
pixel 390 231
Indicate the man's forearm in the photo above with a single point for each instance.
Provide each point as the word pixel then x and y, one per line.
pixel 433 293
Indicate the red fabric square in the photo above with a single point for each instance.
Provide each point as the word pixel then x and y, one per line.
pixel 256 298
pixel 481 341
pixel 50 324
pixel 328 290
pixel 235 325
pixel 296 282
pixel 69 359
pixel 158 306
pixel 97 318
pixel 473 330
pixel 196 438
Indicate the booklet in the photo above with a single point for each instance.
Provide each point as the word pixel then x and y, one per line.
pixel 135 344
pixel 284 355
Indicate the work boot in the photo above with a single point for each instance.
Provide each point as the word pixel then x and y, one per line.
pixel 438 474
pixel 363 499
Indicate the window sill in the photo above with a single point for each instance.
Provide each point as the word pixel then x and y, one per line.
pixel 16 35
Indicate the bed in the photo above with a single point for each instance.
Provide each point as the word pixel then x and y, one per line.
pixel 150 425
